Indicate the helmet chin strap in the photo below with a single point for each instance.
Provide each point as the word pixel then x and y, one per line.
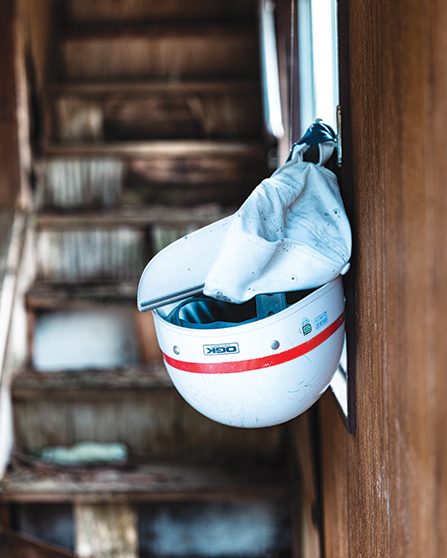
pixel 269 304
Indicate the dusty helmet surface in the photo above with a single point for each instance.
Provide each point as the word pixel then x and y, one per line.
pixel 259 372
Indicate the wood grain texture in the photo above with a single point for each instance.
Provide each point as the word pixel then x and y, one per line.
pixel 307 528
pixel 384 487
pixel 99 183
pixel 30 385
pixel 88 11
pixel 188 172
pixel 171 52
pixel 11 79
pixel 136 406
pixel 227 110
pixel 156 482
pixel 106 530
pixel 154 423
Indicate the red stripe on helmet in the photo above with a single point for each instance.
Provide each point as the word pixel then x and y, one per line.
pixel 257 363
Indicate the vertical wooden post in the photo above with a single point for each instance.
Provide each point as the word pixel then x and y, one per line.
pixel 14 147
pixel 106 531
pixel 384 487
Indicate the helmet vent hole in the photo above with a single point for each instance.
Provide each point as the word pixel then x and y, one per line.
pixel 275 345
pixel 176 350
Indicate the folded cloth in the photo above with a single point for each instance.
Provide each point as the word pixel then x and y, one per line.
pixel 291 233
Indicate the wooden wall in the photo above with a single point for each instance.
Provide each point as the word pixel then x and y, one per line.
pixel 36 24
pixel 385 488
pixel 24 33
pixel 12 117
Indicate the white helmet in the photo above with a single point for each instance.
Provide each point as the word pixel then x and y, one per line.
pixel 262 362
pixel 243 371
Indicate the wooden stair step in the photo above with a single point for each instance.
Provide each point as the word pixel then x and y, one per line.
pixel 86 11
pixel 54 296
pixel 155 149
pixel 30 385
pixel 112 245
pixel 159 51
pixel 133 217
pixel 154 110
pixel 100 89
pixel 154 172
pixel 134 405
pixel 151 482
pixel 101 327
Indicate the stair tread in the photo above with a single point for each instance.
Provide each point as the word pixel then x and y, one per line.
pixel 165 87
pixel 157 481
pixel 82 11
pixel 48 295
pixel 104 292
pixel 29 384
pixel 151 30
pixel 134 216
pixel 157 148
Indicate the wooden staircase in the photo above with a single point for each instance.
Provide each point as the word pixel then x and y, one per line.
pixel 152 129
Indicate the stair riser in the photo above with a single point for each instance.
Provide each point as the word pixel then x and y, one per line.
pixel 84 335
pixel 95 253
pixel 168 56
pixel 123 117
pixel 135 11
pixel 247 526
pixel 70 183
pixel 91 254
pixel 154 423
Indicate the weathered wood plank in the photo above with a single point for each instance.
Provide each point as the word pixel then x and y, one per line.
pixel 150 353
pixel 106 530
pixel 98 336
pixel 113 114
pixel 67 183
pixel 49 296
pixel 110 245
pixel 156 482
pixel 145 419
pixel 187 52
pixel 203 440
pixel 14 147
pixel 104 89
pixel 135 406
pixel 307 526
pixel 168 149
pixel 96 183
pixel 384 486
pixel 88 11
pixel 92 253
pixel 30 385
pixel 334 478
pixel 139 173
pixel 136 217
